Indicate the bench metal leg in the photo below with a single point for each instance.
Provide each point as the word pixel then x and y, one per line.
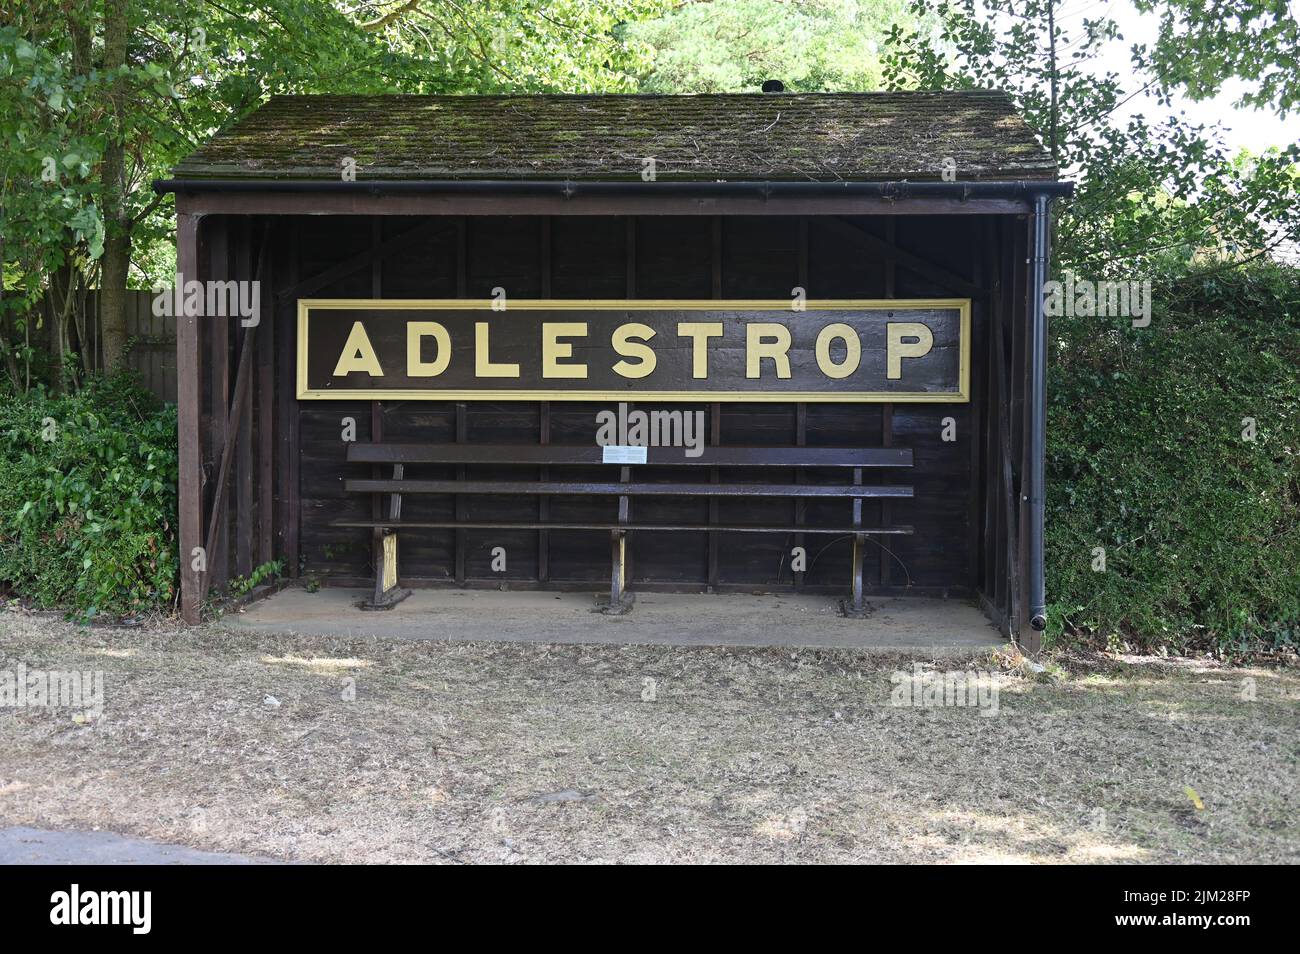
pixel 856 606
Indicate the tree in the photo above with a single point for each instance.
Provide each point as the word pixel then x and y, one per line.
pixel 1151 189
pixel 1204 43
pixel 115 92
pixel 49 224
pixel 724 46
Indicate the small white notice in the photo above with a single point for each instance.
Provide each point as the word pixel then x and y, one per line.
pixel 623 454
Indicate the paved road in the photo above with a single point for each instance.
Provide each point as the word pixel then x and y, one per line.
pixel 34 846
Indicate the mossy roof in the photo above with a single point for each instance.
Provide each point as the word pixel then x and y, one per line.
pixel 783 136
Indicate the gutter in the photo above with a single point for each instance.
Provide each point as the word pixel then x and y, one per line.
pixel 902 189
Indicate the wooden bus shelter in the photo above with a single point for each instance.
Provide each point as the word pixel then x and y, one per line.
pixel 847 288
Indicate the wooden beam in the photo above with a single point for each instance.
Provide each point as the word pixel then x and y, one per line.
pixel 462 435
pixel 324 203
pixel 244 423
pixel 218 518
pixel 371 258
pixel 266 403
pixel 377 420
pixel 218 248
pixel 715 409
pixel 1030 639
pixel 189 370
pixel 462 423
pixel 982 266
pixel 237 419
pixel 284 314
pixel 1007 490
pixel 887 409
pixel 544 417
pixel 914 263
pixel 801 409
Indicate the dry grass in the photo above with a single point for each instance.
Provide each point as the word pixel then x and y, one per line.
pixel 519 753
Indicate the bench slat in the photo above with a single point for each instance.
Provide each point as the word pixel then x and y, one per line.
pixel 538 454
pixel 527 525
pixel 579 488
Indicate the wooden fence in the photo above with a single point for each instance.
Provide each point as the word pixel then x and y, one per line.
pixel 151 351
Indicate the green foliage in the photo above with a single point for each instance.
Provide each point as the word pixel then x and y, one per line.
pixel 1146 458
pixel 1153 188
pixel 192 68
pixel 88 498
pixel 732 46
pixel 242 585
pixel 1204 43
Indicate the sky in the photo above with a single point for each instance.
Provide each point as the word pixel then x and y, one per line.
pixel 1252 129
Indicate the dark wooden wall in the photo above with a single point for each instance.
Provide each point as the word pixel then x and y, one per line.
pixel 287 481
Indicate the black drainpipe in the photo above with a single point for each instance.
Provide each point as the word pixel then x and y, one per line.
pixel 1035 481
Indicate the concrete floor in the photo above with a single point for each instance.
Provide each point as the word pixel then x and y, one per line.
pixel 673 619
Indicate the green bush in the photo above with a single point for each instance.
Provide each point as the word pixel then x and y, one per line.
pixel 1146 457
pixel 88 498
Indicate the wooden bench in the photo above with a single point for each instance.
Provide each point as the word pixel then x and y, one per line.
pixel 853 490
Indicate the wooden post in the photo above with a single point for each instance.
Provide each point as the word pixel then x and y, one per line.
pixel 462 427
pixel 218 247
pixel 286 316
pixel 887 409
pixel 244 422
pixel 189 369
pixel 379 545
pixel 266 409
pixel 715 417
pixel 801 410
pixel 544 421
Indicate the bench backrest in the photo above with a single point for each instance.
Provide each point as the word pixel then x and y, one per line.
pixel 560 454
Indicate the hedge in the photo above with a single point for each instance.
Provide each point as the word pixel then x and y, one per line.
pixel 1176 448
pixel 88 499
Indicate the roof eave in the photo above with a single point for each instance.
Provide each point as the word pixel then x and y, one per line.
pixel 569 188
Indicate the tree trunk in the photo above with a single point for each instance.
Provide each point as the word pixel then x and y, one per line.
pixel 117 224
pixel 8 339
pixel 112 292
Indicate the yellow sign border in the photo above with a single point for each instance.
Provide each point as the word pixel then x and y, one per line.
pixel 962 396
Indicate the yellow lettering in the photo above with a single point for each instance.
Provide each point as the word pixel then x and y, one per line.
pixel 483 366
pixel 700 332
pixel 358 354
pixel 852 350
pixel 767 340
pixel 415 332
pixel 626 343
pixel 896 350
pixel 553 349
